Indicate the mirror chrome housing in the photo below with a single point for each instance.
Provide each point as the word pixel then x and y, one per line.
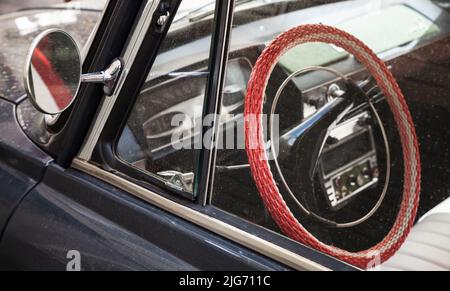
pixel 53 72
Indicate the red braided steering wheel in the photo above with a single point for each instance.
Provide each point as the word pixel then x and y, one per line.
pixel 258 156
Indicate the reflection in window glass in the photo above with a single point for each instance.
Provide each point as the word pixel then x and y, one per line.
pixel 413 38
pixel 162 130
pixel 23 20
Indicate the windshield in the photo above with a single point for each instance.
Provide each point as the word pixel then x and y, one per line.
pixel 383 25
pixel 193 11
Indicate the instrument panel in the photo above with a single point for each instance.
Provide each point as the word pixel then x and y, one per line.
pixel 175 107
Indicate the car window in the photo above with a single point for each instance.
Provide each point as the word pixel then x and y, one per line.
pixel 401 33
pixel 161 132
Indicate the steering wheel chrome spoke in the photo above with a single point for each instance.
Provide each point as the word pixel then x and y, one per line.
pixel 307 140
pixel 314 131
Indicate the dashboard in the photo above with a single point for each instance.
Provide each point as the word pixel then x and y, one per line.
pixel 180 109
pixel 167 117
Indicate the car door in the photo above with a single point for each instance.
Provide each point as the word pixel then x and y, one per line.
pixel 25 151
pixel 22 162
pixel 73 214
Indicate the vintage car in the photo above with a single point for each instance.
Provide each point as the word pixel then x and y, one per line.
pixel 225 135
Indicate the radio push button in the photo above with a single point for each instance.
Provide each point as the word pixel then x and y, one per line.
pixel 344 192
pixel 339 183
pixel 366 173
pixel 352 180
pixel 360 180
pixel 376 173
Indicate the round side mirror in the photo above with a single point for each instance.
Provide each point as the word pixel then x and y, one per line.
pixel 53 71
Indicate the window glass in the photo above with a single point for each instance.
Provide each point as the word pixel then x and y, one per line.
pixel 162 132
pixel 412 37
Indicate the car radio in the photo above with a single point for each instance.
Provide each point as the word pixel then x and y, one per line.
pixel 348 164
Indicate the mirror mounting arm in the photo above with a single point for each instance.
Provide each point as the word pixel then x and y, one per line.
pixel 108 77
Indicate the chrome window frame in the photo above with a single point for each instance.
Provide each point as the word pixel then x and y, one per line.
pixel 128 57
pixel 210 223
pixel 219 227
